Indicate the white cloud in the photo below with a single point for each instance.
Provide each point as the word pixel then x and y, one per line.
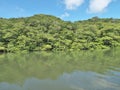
pixel 97 6
pixel 73 4
pixel 19 9
pixel 65 15
pixel 20 12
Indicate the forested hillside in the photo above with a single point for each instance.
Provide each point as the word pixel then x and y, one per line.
pixel 45 32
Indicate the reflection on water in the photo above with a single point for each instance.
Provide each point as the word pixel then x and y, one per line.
pixel 61 71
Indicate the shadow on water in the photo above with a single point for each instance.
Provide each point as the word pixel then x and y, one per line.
pixel 85 70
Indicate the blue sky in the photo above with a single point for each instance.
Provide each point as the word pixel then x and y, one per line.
pixel 70 10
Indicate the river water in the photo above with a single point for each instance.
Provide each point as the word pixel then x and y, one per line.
pixel 60 71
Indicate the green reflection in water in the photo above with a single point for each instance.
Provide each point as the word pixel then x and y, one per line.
pixel 17 67
pixel 48 67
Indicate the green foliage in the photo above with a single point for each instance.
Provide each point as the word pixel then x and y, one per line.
pixel 45 32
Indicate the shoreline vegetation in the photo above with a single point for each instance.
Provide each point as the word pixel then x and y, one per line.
pixel 48 33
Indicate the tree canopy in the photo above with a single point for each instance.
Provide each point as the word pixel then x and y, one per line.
pixel 45 32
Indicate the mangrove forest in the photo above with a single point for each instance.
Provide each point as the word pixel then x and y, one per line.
pixel 48 33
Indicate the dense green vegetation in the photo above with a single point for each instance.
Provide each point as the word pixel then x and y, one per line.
pixel 45 32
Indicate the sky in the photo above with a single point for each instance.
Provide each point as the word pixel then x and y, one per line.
pixel 68 10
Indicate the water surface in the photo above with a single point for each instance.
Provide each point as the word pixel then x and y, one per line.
pixel 60 71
